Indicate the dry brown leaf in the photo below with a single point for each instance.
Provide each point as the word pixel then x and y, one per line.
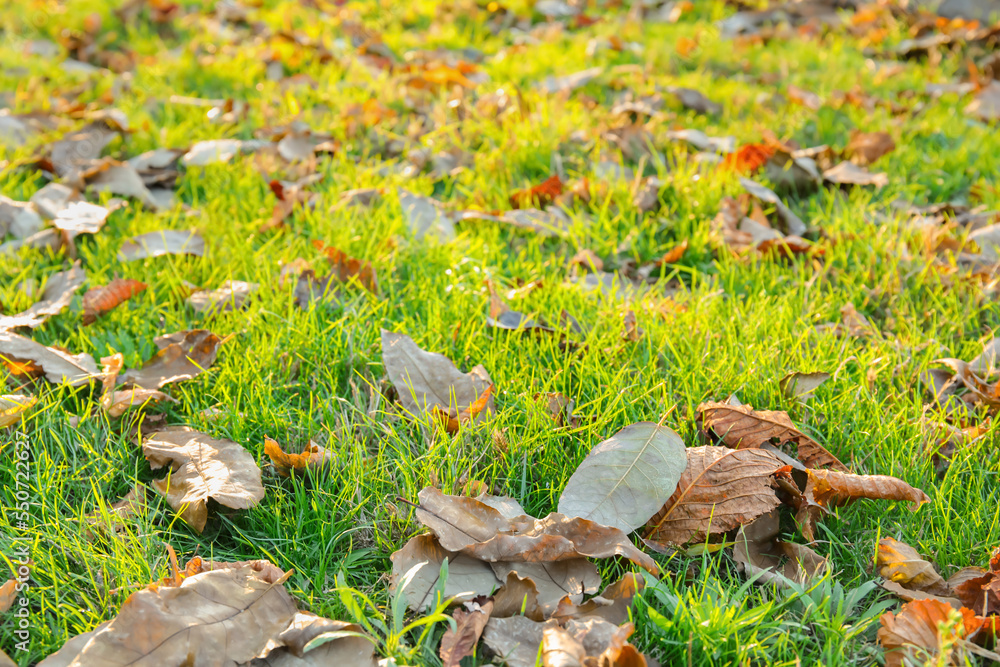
pixel 8 593
pixel 560 408
pixel 24 354
pixel 773 561
pixel 13 407
pixel 117 403
pixel 553 582
pixel 867 147
pixel 117 516
pixel 517 597
pixel 232 295
pixel 425 217
pixel 979 589
pixel 720 489
pixel 907 595
pixel 101 299
pixel 612 604
pixel 476 529
pixel 59 291
pixel 312 457
pixel 825 489
pixel 182 356
pixel 228 615
pixel 516 640
pixel 166 242
pixel 742 427
pixel 913 635
pixel 460 642
pixel 467 576
pixel 538 196
pixel 202 467
pixel 346 268
pixel 848 173
pixel 899 562
pixel 427 382
pixel 801 386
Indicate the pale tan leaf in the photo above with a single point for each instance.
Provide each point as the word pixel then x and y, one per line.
pixel 166 242
pixel 231 296
pixel 612 605
pixel 117 403
pixel 427 382
pixel 743 427
pixel 517 640
pixel 899 562
pixel 460 642
pixel 517 597
pixel 721 489
pixel 8 593
pixel 202 467
pixel 847 173
pixel 560 648
pixel 867 147
pixel 182 356
pixel 908 595
pixel 224 617
pixel 802 385
pixel 116 517
pixel 59 367
pixel 466 575
pixel 314 641
pixel 627 478
pixel 833 489
pixel 555 581
pixel 471 527
pixel 425 217
pixel 13 407
pixel 59 291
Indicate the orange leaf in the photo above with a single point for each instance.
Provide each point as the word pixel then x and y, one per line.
pixel 748 159
pixel 313 456
pixel 100 300
pixel 538 196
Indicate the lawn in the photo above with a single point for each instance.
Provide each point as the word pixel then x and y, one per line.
pixel 716 319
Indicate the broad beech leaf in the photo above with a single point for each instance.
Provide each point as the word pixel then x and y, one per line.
pixel 741 427
pixel 460 642
pixel 899 562
pixel 202 467
pixel 914 634
pixel 720 489
pixel 182 356
pixel 467 576
pixel 627 478
pixel 59 291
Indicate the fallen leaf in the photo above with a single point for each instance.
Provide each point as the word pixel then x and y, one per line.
pixel 13 407
pixel 805 98
pixel 8 594
pixel 899 562
pixel 773 561
pixel 570 82
pixel 986 104
pixel 218 151
pixel 554 582
pixel 118 402
pixel 346 268
pixel 428 383
pixel 202 467
pixel 418 566
pixel 848 173
pixel 827 488
pixel 694 100
pixel 913 635
pixel 516 640
pixel 502 317
pixel 59 291
pixel 80 217
pixel 225 616
pixel 231 296
pixel 312 457
pixel 801 386
pixel 102 299
pixel 471 527
pixel 742 427
pixel 426 217
pixel 460 642
pixel 792 223
pixel 517 597
pixel 120 178
pixel 720 489
pixel 747 159
pixel 166 242
pixel 183 355
pixel 614 486
pixel 59 367
pixel 117 516
pixel 538 196
pixel 612 605
pixel 865 148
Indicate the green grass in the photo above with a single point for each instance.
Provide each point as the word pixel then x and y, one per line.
pixel 296 375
